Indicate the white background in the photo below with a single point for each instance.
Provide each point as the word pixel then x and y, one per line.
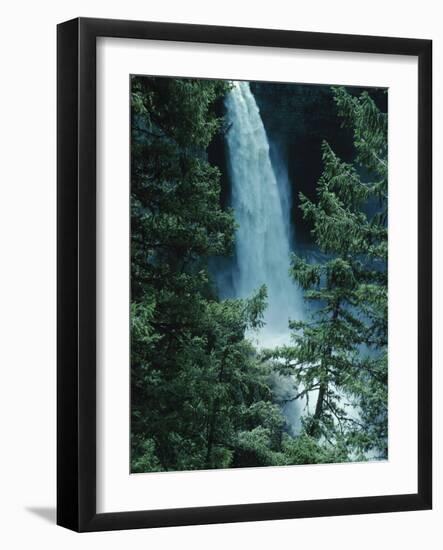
pixel 27 295
pixel 117 490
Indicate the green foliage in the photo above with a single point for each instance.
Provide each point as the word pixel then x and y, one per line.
pixel 145 459
pixel 307 450
pixel 196 383
pixel 370 128
pixel 255 448
pixel 339 355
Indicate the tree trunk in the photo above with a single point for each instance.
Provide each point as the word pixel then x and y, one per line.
pixel 313 428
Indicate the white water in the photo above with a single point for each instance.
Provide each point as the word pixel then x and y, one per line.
pixel 261 208
pixel 260 198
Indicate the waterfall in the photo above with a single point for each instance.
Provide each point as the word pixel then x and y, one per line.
pixel 260 206
pixel 259 197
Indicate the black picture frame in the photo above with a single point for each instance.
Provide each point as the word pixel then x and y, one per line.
pixel 76 265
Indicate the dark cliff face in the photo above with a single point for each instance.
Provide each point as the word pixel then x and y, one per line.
pixel 297 118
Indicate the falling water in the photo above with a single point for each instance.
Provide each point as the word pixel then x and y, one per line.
pixel 260 202
pixel 262 213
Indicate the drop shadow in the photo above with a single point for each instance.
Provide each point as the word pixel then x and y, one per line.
pixel 45 512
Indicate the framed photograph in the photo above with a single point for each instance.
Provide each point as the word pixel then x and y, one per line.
pixel 244 274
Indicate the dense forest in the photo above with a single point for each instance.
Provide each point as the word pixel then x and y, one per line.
pixel 202 392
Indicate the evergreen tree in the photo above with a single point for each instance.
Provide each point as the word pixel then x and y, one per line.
pixel 339 356
pixel 197 391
